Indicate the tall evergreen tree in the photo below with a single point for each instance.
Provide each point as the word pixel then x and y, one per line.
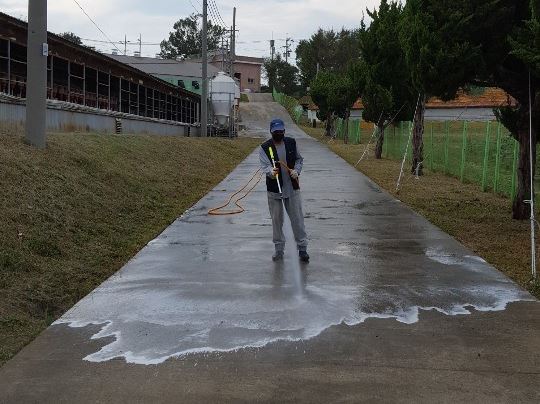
pixel 281 75
pixel 508 32
pixel 384 86
pixel 334 94
pixel 435 36
pixel 328 51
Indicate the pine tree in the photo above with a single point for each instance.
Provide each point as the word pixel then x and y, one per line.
pixel 384 86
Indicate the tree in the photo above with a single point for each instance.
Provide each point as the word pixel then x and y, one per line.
pixel 384 84
pixel 281 75
pixel 327 50
pixel 186 39
pixel 484 43
pixel 436 38
pixel 320 92
pixel 70 36
pixel 509 34
pixel 334 94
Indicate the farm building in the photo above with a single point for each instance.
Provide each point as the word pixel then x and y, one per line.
pixel 247 69
pixel 184 74
pixel 86 82
pixel 475 106
pixel 312 109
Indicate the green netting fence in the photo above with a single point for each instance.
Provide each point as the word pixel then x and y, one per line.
pixel 475 152
pixel 352 134
pixel 290 103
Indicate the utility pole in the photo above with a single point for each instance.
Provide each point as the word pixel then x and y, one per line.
pixel 233 42
pixel 222 55
pixel 272 49
pixel 204 96
pixel 288 48
pixel 36 93
pixel 140 44
pixel 228 56
pixel 125 45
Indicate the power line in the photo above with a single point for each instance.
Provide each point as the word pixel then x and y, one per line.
pixel 194 8
pixel 93 22
pixel 132 43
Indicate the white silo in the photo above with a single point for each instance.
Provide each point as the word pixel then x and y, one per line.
pixel 223 91
pixel 236 94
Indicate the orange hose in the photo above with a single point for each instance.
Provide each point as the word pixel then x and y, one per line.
pixel 217 211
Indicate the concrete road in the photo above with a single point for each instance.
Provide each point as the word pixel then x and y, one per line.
pixel 390 309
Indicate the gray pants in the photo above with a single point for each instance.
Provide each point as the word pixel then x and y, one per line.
pixel 294 210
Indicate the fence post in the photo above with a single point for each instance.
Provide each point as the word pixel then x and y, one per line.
pixel 497 160
pixel 399 138
pixel 446 140
pixel 407 141
pixel 463 151
pixel 431 147
pixel 486 157
pixel 359 130
pixel 514 165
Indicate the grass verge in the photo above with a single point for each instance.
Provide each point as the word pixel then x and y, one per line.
pixel 480 220
pixel 73 214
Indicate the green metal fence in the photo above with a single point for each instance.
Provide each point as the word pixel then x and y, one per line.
pixel 290 103
pixel 354 130
pixel 475 152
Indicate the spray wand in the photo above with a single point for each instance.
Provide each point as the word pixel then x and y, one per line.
pixel 274 165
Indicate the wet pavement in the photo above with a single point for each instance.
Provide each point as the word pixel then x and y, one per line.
pixel 389 309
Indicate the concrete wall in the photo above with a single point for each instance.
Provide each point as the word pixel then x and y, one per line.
pixel 356 114
pixel 460 114
pixel 448 114
pixel 248 71
pixel 312 115
pixel 65 117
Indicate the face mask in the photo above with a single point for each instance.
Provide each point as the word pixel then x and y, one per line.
pixel 277 136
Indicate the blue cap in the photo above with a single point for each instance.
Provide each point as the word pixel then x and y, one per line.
pixel 276 124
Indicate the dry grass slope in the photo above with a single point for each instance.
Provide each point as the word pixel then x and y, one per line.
pixel 74 214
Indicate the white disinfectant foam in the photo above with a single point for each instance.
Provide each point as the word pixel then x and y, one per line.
pixel 158 308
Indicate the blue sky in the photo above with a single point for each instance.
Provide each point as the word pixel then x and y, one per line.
pixel 257 20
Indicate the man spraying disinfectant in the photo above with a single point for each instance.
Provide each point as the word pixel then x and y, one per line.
pixel 282 163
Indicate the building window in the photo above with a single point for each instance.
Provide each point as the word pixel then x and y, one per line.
pixel 195 84
pixel 181 84
pixel 251 81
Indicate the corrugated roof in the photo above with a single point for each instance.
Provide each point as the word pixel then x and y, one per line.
pixel 217 55
pixel 490 98
pixel 165 67
pixel 305 100
pixel 358 104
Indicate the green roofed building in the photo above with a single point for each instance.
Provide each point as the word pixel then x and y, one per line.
pixel 184 74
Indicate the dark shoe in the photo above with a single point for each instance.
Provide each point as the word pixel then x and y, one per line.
pixel 278 256
pixel 304 256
